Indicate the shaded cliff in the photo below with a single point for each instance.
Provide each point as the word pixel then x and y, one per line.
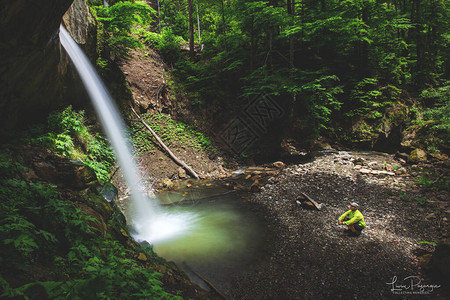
pixel 33 68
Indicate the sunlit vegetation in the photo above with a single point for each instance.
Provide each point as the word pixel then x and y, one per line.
pixel 67 134
pixel 349 70
pixel 171 132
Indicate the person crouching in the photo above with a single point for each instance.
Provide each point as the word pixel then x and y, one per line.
pixel 353 219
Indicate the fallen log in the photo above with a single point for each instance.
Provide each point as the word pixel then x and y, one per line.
pixel 318 206
pixel 161 143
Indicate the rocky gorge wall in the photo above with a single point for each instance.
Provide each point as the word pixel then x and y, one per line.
pixel 34 73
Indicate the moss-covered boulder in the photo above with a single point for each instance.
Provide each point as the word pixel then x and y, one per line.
pixel 417 155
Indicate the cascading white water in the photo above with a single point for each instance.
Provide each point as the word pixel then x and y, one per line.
pixel 148 221
pixel 215 237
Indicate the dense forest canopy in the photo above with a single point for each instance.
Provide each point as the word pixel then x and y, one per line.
pixel 347 69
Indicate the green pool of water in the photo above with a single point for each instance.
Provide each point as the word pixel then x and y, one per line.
pixel 212 231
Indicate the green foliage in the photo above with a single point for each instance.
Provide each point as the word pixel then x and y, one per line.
pixel 170 131
pixel 66 134
pixel 100 156
pixel 381 52
pixel 439 113
pixel 320 97
pixel 431 180
pixel 39 229
pixel 169 45
pixel 117 23
pixel 434 244
pixel 371 100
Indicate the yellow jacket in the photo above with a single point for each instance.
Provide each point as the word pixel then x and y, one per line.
pixel 355 217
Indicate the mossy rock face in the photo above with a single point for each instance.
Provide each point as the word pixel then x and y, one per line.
pixel 417 155
pixel 34 73
pixel 424 136
pixel 363 133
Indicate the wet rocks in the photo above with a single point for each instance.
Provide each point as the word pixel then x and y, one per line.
pixel 182 173
pixel 279 164
pixel 167 183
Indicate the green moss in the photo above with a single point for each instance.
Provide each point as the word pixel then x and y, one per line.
pixel 67 134
pixel 171 132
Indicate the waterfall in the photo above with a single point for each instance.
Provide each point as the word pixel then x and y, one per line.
pixel 111 121
pixel 149 222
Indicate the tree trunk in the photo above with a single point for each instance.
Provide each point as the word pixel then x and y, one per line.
pixel 198 27
pixel 252 46
pixel 191 29
pixel 161 143
pixel 417 37
pixel 223 18
pixel 291 11
pixel 365 46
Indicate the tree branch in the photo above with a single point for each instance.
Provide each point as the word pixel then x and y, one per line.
pixel 161 143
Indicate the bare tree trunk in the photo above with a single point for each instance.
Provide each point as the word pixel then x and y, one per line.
pixel 161 143
pixel 252 46
pixel 191 29
pixel 291 11
pixel 223 17
pixel 198 26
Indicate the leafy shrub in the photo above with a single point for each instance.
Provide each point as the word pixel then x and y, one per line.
pixel 69 136
pixel 430 180
pixel 116 26
pixel 40 231
pixel 169 45
pixel 151 39
pixel 439 113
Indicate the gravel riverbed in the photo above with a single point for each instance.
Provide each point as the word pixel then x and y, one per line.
pixel 308 256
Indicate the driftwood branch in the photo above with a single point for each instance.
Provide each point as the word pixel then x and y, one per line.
pixel 316 205
pixel 161 143
pixel 308 202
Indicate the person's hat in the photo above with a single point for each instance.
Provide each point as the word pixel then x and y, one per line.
pixel 354 204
